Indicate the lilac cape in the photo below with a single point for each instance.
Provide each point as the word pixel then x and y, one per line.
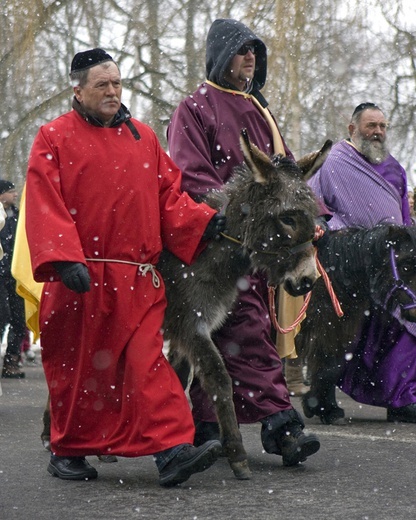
pixel 204 142
pixel 382 371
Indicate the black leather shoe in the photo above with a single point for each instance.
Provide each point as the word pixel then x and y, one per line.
pixel 297 446
pixel 403 414
pixel 71 468
pixel 188 461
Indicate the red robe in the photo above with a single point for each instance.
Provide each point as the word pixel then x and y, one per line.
pixel 97 193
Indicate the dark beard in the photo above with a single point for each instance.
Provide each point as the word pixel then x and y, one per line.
pixel 375 151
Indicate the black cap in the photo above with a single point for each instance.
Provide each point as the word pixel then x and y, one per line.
pixel 6 186
pixel 364 106
pixel 90 58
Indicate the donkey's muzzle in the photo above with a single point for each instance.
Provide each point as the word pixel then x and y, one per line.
pixel 302 286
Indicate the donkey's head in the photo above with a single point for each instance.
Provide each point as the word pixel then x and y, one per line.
pixel 272 211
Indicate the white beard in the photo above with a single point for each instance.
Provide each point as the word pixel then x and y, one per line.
pixel 375 151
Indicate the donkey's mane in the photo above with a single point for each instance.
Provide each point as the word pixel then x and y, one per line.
pixel 290 167
pixel 353 248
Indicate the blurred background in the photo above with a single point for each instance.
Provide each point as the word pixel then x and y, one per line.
pixel 324 58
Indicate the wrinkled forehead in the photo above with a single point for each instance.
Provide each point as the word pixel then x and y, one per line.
pixel 107 71
pixel 372 116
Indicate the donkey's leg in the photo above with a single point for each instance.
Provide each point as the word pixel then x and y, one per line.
pixel 215 381
pixel 180 364
pixel 321 399
pixel 46 432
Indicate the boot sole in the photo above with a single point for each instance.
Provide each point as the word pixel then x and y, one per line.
pixel 184 470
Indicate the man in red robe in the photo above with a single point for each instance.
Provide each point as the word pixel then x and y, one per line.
pixel 102 201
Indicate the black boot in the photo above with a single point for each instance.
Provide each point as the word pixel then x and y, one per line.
pixel 295 445
pixel 282 434
pixel 188 461
pixel 405 414
pixel 11 369
pixel 71 468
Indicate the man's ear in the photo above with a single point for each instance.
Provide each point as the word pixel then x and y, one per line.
pixel 351 128
pixel 77 92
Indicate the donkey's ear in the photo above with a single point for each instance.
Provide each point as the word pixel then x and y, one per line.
pixel 310 163
pixel 397 235
pixel 258 162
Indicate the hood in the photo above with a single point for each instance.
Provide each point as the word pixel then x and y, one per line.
pixel 224 39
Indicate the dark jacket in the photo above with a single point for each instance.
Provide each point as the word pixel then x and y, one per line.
pixel 7 237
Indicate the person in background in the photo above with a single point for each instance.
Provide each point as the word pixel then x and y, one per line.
pixel 411 198
pixel 2 222
pixel 27 354
pixel 102 200
pixel 3 216
pixel 12 309
pixel 203 138
pixel 364 185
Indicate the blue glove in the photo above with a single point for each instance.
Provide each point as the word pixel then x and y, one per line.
pixel 215 226
pixel 74 275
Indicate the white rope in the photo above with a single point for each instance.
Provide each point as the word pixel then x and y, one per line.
pixel 143 268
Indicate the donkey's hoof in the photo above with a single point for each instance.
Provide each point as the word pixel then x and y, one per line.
pixel 46 442
pixel 107 458
pixel 241 470
pixel 333 416
pixel 310 405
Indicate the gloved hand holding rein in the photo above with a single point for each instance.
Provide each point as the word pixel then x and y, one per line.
pixel 215 226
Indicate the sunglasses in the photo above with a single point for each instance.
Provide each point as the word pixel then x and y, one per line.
pixel 243 50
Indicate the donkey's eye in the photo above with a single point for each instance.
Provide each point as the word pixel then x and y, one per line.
pixel 407 267
pixel 288 221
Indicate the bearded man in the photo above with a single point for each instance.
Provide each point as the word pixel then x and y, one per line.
pixel 360 181
pixel 364 185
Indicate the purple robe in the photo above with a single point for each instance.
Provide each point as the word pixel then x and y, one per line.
pixel 204 142
pixel 382 371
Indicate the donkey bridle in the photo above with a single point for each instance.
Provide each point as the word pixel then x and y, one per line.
pixel 399 284
pixel 283 251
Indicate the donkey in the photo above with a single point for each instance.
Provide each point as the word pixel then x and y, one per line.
pixel 270 215
pixel 270 225
pixel 368 268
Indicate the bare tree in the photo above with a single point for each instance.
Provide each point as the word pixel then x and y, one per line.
pixel 324 59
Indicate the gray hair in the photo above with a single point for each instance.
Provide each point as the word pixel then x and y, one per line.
pixel 80 77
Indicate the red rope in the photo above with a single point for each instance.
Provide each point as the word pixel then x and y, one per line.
pixel 273 311
pixel 272 292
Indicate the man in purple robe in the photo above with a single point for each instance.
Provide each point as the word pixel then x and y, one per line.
pixel 204 141
pixel 363 185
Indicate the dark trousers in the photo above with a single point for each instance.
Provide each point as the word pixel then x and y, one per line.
pixel 12 313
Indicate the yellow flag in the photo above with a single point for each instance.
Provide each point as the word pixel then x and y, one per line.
pixel 26 287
